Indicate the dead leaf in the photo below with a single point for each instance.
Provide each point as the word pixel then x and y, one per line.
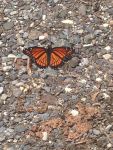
pixel 93 96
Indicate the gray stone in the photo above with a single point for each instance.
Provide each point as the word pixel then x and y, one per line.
pixel 82 10
pixel 20 128
pixel 25 35
pixel 47 89
pixel 8 25
pixel 1 78
pixel 2 129
pixel 74 97
pixel 2 137
pixel 96 132
pixel 110 11
pixel 34 34
pixel 17 92
pixel 74 62
pixel 11 148
pixel 88 38
pixel 1 123
pixel 19 39
pixel 97 32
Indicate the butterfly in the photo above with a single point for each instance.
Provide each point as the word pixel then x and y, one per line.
pixel 49 57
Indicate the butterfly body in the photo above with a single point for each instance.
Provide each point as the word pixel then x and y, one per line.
pixel 44 57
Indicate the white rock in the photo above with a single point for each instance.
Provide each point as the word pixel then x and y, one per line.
pixel 67 89
pixel 80 31
pixel 5 113
pixel 11 56
pixel 74 112
pixel 108 127
pixel 98 79
pixel 45 136
pixel 42 37
pixel 83 99
pixel 32 24
pixel 4 96
pixel 88 45
pixel 70 12
pixel 1 90
pixel 13 13
pixel 107 48
pixel 106 96
pixel 105 25
pixel 1 43
pixel 67 21
pixel 7 68
pixel 83 81
pixel 106 56
pixel 19 39
pixel 109 145
pixel 84 62
pixel 43 17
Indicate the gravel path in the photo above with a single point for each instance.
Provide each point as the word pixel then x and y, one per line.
pixel 68 108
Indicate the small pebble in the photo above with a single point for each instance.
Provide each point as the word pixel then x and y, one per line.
pixel 20 128
pixel 84 62
pixel 1 90
pixel 45 136
pixel 83 99
pixel 17 92
pixel 67 89
pixel 8 25
pixel 2 137
pixel 109 127
pixel 98 79
pixel 82 10
pixel 105 25
pixel 43 17
pixel 7 68
pixel 109 145
pixel 4 96
pixel 107 48
pixel 11 56
pixel 74 112
pixel 83 81
pixel 106 56
pixel 42 37
pixel 96 132
pixel 1 78
pixel 67 21
pixel 106 96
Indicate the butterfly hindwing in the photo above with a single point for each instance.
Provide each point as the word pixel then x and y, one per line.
pixel 58 55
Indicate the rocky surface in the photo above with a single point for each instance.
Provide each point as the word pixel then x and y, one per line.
pixel 67 108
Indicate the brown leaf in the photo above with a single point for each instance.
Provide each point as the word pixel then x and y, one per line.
pixel 93 96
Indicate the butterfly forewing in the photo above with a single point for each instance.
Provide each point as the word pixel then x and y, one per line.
pixel 38 54
pixel 58 55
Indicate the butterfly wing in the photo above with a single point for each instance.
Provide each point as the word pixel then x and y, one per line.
pixel 58 55
pixel 38 54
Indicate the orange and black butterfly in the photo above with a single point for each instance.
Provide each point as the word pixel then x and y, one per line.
pixel 52 57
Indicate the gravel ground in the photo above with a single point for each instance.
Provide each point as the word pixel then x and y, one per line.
pixel 64 109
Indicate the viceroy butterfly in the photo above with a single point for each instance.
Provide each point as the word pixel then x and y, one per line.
pixel 49 57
